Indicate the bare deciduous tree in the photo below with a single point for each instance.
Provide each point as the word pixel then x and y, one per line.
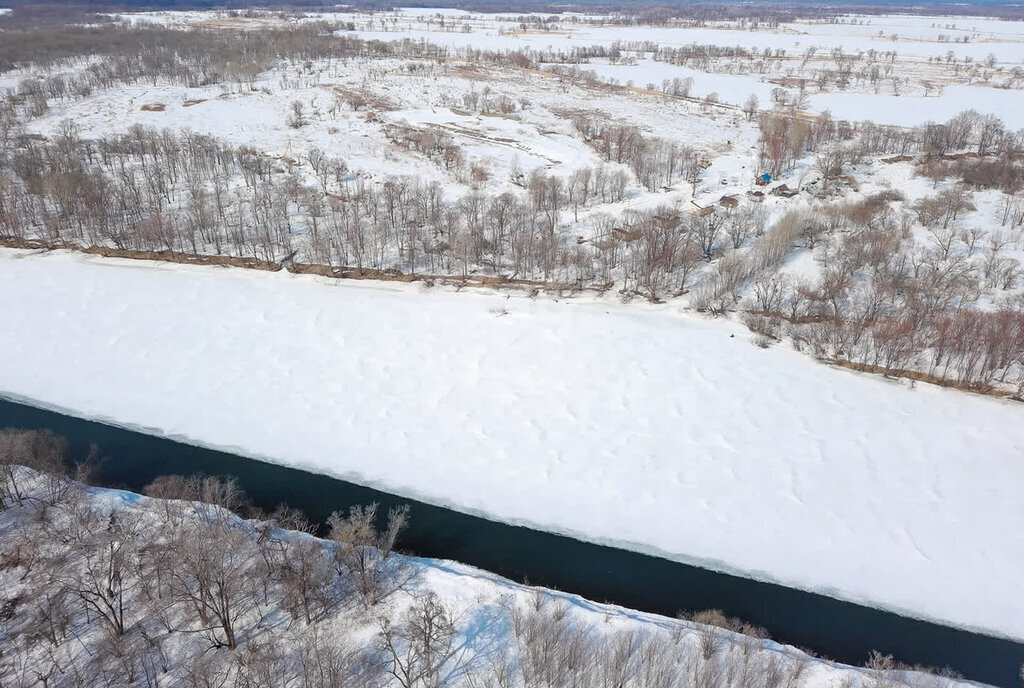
pixel 420 644
pixel 362 552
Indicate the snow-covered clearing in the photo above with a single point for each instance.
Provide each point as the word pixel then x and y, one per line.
pixel 638 426
pixel 534 137
pixel 922 48
pixel 910 111
pixel 731 88
pixel 880 108
pixel 919 36
pixel 915 37
pixel 916 42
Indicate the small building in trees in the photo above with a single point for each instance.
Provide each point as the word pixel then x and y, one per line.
pixel 626 235
pixel 701 210
pixel 784 191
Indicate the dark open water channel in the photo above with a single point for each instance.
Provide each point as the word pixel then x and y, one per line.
pixel 839 630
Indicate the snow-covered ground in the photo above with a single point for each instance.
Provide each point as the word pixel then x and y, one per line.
pixel 880 108
pixel 638 426
pixel 731 88
pixel 535 137
pixel 914 40
pixel 921 35
pixel 910 111
pixel 921 47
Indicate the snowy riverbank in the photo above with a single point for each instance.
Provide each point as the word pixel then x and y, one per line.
pixel 107 589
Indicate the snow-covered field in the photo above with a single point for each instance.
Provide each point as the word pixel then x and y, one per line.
pixel 917 41
pixel 536 137
pixel 921 47
pixel 919 37
pixel 793 38
pixel 638 426
pixel 531 140
pixel 910 111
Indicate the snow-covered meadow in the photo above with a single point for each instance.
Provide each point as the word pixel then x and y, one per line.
pixel 663 432
pixel 921 47
pixel 537 136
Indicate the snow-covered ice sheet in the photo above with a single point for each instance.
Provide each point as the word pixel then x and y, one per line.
pixel 634 425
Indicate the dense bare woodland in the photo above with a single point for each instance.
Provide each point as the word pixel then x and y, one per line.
pixel 107 588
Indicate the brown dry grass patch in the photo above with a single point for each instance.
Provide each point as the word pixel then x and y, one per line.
pixel 166 256
pixel 154 107
pixel 470 71
pixel 917 376
pixel 361 99
pixel 530 32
